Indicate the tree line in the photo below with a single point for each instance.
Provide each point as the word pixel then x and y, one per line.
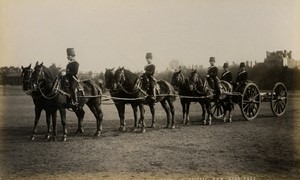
pixel 263 75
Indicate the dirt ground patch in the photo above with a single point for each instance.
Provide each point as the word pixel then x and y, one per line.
pixel 267 147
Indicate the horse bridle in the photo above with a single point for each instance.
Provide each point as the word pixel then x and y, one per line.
pixel 27 80
pixel 121 79
pixel 30 74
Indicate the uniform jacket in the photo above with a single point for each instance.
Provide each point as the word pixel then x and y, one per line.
pixel 149 69
pixel 227 76
pixel 212 71
pixel 242 77
pixel 72 68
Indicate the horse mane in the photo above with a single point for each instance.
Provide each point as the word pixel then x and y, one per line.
pixel 48 73
pixel 130 76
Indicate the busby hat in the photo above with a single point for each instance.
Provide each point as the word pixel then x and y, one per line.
pixel 226 65
pixel 70 52
pixel 212 59
pixel 242 64
pixel 149 55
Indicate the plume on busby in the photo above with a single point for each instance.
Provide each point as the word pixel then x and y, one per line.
pixel 242 64
pixel 70 52
pixel 212 59
pixel 149 55
pixel 226 65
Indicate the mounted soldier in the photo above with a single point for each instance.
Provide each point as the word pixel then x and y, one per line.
pixel 226 75
pixel 212 77
pixel 149 75
pixel 71 74
pixel 242 76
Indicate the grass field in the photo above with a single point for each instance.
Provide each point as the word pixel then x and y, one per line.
pixel 267 147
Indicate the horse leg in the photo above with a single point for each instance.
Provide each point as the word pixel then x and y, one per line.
pixel 134 108
pixel 63 123
pixel 95 107
pixel 80 114
pixel 121 111
pixel 229 111
pixel 167 110
pixel 140 121
pixel 142 118
pixel 54 130
pixel 152 109
pixel 208 113
pixel 225 116
pixel 38 111
pixel 183 105
pixel 203 110
pixel 171 105
pixel 48 121
pixel 188 104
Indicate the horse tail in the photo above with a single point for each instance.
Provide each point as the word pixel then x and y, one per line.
pixel 95 89
pixel 166 86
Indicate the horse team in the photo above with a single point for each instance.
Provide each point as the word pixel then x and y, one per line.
pixel 50 92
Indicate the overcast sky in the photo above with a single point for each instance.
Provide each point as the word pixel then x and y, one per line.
pixel 114 33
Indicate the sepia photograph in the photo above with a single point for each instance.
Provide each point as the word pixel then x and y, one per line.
pixel 150 89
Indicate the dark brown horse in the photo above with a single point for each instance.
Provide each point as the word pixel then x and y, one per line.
pixel 203 89
pixel 180 83
pixel 57 89
pixel 129 88
pixel 40 103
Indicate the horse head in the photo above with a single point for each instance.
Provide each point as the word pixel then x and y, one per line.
pixel 177 79
pixel 192 80
pixel 118 78
pixel 26 78
pixel 108 76
pixel 38 75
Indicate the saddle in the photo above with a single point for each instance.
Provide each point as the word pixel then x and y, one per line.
pixel 66 84
pixel 145 82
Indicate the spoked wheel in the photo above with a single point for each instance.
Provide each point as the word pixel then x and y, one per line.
pixel 278 99
pixel 250 102
pixel 217 110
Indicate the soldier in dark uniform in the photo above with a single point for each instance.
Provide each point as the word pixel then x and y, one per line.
pixel 149 74
pixel 242 76
pixel 226 75
pixel 212 77
pixel 71 74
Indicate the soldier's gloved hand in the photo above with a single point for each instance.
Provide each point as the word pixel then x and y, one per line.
pixel 207 75
pixel 62 73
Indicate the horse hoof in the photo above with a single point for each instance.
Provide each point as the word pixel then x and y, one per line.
pixel 143 130
pixel 97 134
pixel 47 136
pixel 153 126
pixel 188 123
pixel 135 129
pixel 64 138
pixel 122 128
pixel 53 138
pixel 32 138
pixel 79 131
pixel 173 127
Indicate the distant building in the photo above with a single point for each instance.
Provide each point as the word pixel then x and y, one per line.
pixel 281 58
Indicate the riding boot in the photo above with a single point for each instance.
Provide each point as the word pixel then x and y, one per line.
pixel 75 99
pixel 154 94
